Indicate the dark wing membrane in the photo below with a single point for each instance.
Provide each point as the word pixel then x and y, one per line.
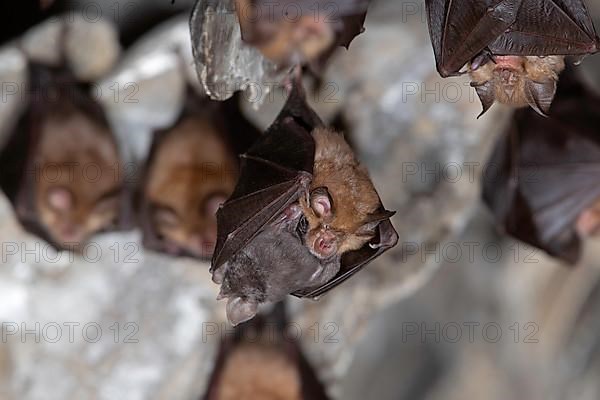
pixel 353 261
pixel 556 162
pixel 271 179
pixel 499 180
pixel 560 195
pixel 549 27
pixel 459 30
pixel 274 172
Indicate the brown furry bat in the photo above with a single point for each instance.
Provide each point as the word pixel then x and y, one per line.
pixel 299 32
pixel 286 41
pixel 192 172
pixel 342 211
pixel 518 81
pixel 259 372
pixel 77 179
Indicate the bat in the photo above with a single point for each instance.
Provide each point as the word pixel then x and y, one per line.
pixel 514 50
pixel 343 208
pixel 191 170
pixel 291 32
pixel 267 366
pixel 546 191
pixel 70 185
pixel 274 264
pixel 276 172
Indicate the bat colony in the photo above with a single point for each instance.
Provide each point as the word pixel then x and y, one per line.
pixel 298 213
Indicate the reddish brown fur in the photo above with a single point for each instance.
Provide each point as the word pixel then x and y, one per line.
pixel 353 194
pixel 191 165
pixel 286 40
pixel 510 73
pixel 259 372
pixel 78 155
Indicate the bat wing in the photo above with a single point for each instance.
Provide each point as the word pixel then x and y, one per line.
pixel 551 175
pixel 549 27
pixel 274 172
pixel 460 30
pixel 353 261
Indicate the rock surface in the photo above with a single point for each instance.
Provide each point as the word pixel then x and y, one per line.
pixel 426 151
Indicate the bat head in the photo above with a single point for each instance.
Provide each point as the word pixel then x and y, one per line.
pixel 256 371
pixel 78 187
pixel 283 38
pixel 190 175
pixel 331 230
pixel 517 81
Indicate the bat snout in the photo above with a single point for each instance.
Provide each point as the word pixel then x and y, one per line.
pixel 324 244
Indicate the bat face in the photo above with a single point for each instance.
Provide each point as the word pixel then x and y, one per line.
pixel 588 222
pixel 286 40
pixel 518 81
pixel 192 174
pixel 343 200
pixel 259 372
pixel 78 188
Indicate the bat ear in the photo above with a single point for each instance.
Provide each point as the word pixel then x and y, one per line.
pixel 540 95
pixel 239 311
pixel 374 219
pixel 485 91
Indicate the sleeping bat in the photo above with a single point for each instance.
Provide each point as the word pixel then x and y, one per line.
pixel 71 186
pixel 299 32
pixel 191 170
pixel 268 366
pixel 276 173
pixel 546 192
pixel 514 50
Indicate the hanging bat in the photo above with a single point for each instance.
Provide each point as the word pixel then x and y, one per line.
pixel 268 366
pixel 71 185
pixel 191 170
pixel 546 192
pixel 278 171
pixel 299 32
pixel 513 50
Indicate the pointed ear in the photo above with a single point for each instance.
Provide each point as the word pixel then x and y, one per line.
pixel 373 220
pixel 239 311
pixel 486 94
pixel 540 95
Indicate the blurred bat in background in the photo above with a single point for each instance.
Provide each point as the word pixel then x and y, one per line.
pixel 547 188
pixel 513 50
pixel 291 32
pixel 260 362
pixel 70 186
pixel 191 170
pixel 263 212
